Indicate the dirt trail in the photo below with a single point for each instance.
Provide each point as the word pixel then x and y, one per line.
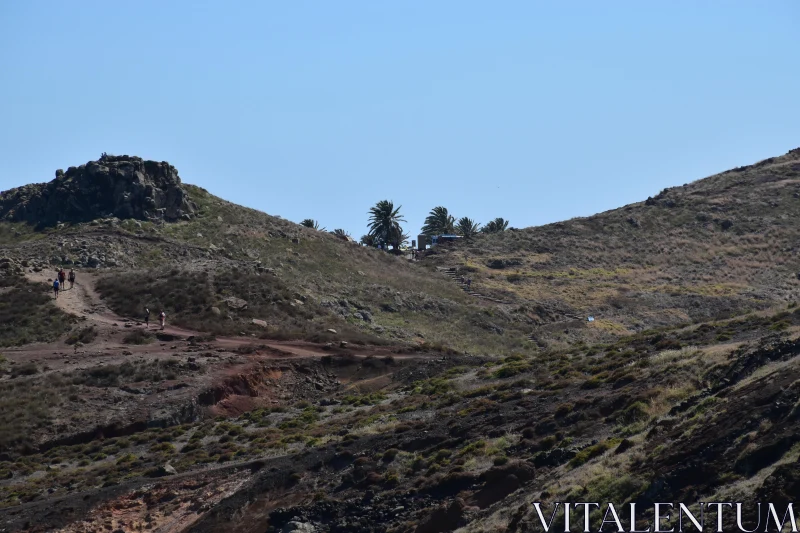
pixel 82 300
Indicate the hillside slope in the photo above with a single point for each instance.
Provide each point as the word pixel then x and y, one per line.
pixel 220 266
pixel 243 414
pixel 707 250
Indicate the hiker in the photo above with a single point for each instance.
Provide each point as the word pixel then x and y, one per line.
pixel 71 277
pixel 62 277
pixel 469 283
pixel 55 287
pixel 162 317
pixel 147 317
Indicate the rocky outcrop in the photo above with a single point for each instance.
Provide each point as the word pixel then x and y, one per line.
pixel 113 186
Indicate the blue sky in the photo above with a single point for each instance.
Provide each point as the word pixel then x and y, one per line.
pixel 533 111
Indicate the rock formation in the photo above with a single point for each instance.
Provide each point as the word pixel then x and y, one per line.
pixel 113 186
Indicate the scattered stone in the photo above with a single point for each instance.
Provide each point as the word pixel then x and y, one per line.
pixel 331 330
pixel 259 322
pixel 295 526
pixel 165 470
pixel 236 303
pixel 216 311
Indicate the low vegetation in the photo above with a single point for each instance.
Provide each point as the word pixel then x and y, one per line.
pixel 27 313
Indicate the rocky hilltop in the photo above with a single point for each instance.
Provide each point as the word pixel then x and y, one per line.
pixel 120 186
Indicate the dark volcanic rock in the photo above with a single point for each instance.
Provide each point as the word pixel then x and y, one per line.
pixel 445 518
pixel 118 186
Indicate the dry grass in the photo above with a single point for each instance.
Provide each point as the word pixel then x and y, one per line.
pixel 27 313
pixel 674 263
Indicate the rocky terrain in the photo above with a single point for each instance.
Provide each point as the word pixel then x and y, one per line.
pixel 304 383
pixel 113 186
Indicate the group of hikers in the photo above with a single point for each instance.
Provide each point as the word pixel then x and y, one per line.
pixel 162 317
pixel 61 279
pixel 60 284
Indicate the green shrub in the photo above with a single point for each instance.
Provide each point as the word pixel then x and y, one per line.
pixel 432 386
pixel 138 336
pixel 25 369
pixel 563 410
pixel 364 400
pixel 390 454
pixel 548 442
pixel 780 326
pixel 593 451
pixel 476 447
pixel 84 336
pixel 442 455
pixel 592 383
pixel 165 447
pixel 635 412
pixel 512 369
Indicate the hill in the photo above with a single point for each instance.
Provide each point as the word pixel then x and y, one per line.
pixel 708 250
pixel 300 281
pixel 303 383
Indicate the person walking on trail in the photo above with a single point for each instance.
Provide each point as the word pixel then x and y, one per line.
pixel 62 277
pixel 55 287
pixel 469 283
pixel 162 317
pixel 147 317
pixel 71 278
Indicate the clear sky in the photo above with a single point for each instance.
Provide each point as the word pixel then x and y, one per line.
pixel 533 111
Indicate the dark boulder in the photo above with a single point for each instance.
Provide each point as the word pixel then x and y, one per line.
pixel 500 481
pixel 113 186
pixel 444 518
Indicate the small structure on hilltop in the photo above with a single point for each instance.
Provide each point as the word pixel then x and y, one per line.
pixel 423 241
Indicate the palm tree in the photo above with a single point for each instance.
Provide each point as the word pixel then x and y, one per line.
pixel 398 238
pixel 439 222
pixel 311 223
pixel 367 240
pixel 495 226
pixel 342 234
pixel 384 223
pixel 467 227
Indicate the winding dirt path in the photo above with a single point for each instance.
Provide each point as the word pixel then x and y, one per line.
pixel 83 301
